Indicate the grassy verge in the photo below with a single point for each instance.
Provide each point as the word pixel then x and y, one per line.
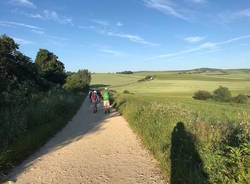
pixel 26 127
pixel 194 141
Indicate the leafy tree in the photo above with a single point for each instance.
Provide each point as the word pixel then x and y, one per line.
pixel 15 68
pixel 50 67
pixel 78 81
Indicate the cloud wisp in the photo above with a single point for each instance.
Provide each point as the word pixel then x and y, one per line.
pixel 40 32
pixel 194 39
pixel 119 24
pixel 18 24
pixel 101 22
pixel 198 1
pixel 132 38
pixel 208 46
pixel 52 15
pixel 22 41
pixel 105 28
pixel 164 6
pixel 24 3
pixel 230 16
pixel 111 52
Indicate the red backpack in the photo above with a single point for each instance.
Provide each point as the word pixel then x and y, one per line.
pixel 94 96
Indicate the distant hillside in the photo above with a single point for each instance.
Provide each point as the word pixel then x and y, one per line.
pixel 202 70
pixel 205 70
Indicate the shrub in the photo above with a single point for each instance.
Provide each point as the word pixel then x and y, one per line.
pixel 126 92
pixel 149 77
pixel 125 72
pixel 146 78
pixel 26 127
pixel 202 95
pixel 222 94
pixel 78 81
pixel 243 99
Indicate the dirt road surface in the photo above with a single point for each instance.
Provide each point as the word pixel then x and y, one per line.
pixel 92 148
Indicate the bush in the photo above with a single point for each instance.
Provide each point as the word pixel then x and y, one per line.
pixel 26 127
pixel 146 78
pixel 243 99
pixel 125 72
pixel 78 81
pixel 126 92
pixel 222 94
pixel 202 95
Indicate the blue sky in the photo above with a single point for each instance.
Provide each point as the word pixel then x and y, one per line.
pixel 117 35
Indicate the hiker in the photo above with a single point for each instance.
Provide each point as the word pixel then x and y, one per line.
pixel 94 99
pixel 90 95
pixel 106 103
pixel 99 95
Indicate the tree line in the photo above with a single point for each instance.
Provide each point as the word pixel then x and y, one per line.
pixel 18 72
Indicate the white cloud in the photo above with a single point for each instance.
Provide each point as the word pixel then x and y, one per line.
pixel 36 16
pixel 208 46
pixel 165 6
pixel 112 52
pixel 37 31
pixel 229 16
pixel 25 3
pixel 198 1
pixel 133 38
pixel 101 22
pixel 22 41
pixel 242 13
pixel 194 39
pixel 86 27
pixel 119 24
pixel 52 15
pixel 14 24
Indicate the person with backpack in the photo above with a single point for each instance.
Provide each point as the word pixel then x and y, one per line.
pixel 94 99
pixel 106 103
pixel 90 95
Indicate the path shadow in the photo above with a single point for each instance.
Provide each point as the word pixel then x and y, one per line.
pixel 186 164
pixel 84 122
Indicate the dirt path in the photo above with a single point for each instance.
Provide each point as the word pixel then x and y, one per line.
pixel 92 148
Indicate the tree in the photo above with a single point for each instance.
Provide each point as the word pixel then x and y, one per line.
pixel 15 67
pixel 78 81
pixel 50 67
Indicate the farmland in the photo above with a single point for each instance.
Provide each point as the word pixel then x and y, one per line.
pixel 194 141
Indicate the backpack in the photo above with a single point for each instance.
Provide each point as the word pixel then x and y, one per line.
pixel 94 96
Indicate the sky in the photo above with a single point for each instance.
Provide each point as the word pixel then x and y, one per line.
pixel 118 35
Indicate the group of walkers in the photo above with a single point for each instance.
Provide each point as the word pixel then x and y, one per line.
pixel 96 97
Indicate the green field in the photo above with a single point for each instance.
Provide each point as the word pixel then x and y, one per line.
pixel 176 83
pixel 195 141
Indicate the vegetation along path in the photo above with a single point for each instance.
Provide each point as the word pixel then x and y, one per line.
pixel 92 148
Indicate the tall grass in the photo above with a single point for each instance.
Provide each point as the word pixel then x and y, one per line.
pixel 28 123
pixel 195 142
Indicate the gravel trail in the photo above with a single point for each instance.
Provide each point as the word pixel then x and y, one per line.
pixel 92 148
